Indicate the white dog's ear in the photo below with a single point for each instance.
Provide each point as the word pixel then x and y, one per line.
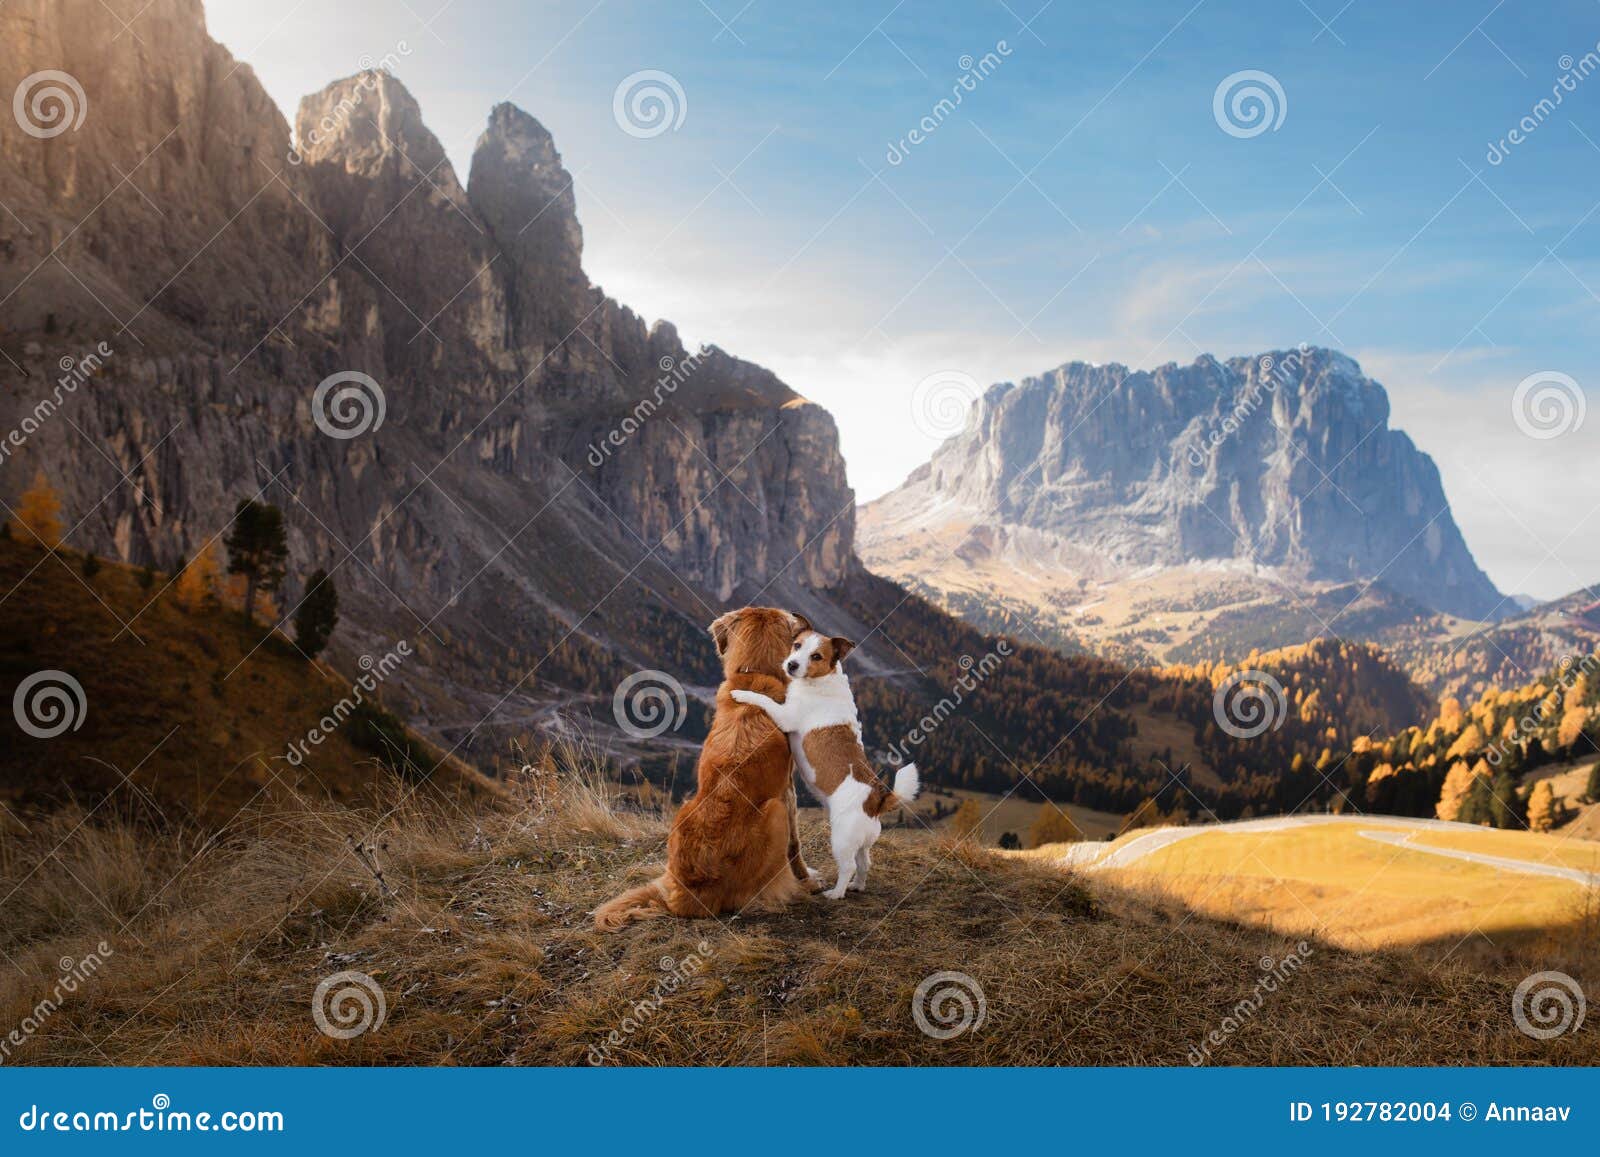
pixel 841 647
pixel 720 629
pixel 801 623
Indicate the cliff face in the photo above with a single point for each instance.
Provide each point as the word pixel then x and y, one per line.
pixel 538 446
pixel 1284 460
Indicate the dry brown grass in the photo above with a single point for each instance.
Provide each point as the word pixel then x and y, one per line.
pixel 486 954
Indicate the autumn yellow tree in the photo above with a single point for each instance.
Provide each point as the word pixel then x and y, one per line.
pixel 1572 725
pixel 1543 809
pixel 967 824
pixel 39 513
pixel 200 580
pixel 1458 784
pixel 1052 826
pixel 1470 741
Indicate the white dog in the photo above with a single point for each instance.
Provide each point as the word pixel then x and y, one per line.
pixel 819 715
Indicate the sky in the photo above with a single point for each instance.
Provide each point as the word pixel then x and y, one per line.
pixel 1096 194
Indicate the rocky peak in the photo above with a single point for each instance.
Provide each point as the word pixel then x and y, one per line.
pixel 525 198
pixel 1284 459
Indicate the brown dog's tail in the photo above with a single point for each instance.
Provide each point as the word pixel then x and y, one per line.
pixel 639 903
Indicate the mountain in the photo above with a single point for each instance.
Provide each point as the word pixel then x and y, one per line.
pixel 535 487
pixel 500 466
pixel 1453 658
pixel 1184 514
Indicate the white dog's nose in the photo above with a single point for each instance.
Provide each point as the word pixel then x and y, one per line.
pixel 792 666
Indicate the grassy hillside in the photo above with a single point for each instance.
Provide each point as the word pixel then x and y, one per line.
pixel 480 940
pixel 1337 881
pixel 187 713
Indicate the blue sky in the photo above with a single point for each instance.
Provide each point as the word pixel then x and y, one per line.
pixel 1082 202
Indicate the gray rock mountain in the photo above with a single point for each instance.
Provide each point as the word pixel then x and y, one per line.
pixel 557 493
pixel 1283 461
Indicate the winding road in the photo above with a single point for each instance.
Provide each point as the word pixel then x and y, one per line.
pixel 1094 856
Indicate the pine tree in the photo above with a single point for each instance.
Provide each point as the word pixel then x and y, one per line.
pixel 258 549
pixel 317 616
pixel 1507 806
pixel 1543 810
pixel 1010 841
pixel 1478 805
pixel 1592 791
pixel 39 513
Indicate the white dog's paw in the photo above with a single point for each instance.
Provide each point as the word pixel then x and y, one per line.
pixel 834 893
pixel 861 887
pixel 743 696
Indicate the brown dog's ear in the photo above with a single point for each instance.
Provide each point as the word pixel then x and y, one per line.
pixel 720 629
pixel 841 648
pixel 801 623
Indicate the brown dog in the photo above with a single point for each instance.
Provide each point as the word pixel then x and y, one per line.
pixel 735 844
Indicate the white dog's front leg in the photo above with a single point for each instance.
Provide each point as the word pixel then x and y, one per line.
pixel 771 706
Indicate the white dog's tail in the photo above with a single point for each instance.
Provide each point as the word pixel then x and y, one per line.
pixel 907 783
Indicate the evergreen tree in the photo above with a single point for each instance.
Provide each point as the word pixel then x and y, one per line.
pixel 317 616
pixel 258 549
pixel 1592 791
pixel 1478 805
pixel 1010 841
pixel 1507 807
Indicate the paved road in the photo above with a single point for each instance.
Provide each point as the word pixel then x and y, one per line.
pixel 1529 867
pixel 1093 855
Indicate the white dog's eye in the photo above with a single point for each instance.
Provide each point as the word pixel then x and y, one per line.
pixel 816 655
